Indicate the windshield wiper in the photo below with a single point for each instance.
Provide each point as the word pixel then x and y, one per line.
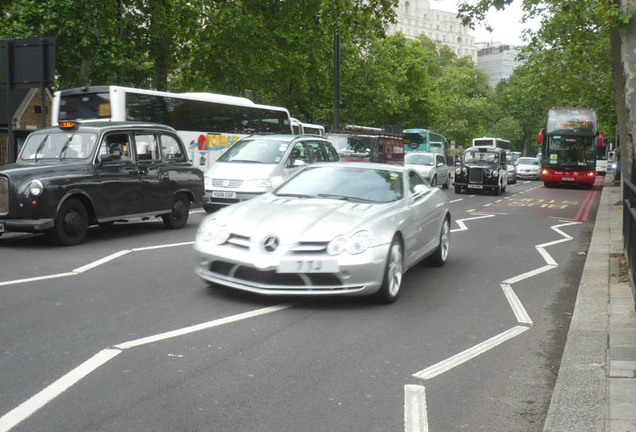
pixel 39 149
pixel 65 146
pixel 344 198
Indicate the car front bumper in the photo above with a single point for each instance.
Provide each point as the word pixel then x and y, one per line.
pixel 26 225
pixel 356 274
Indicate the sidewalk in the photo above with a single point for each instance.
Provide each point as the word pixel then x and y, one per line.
pixel 596 386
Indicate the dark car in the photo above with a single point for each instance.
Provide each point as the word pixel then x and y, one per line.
pixel 75 175
pixel 483 168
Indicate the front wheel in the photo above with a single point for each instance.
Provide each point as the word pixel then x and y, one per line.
pixel 434 181
pixel 178 217
pixel 71 223
pixel 393 272
pixel 440 255
pixel 458 189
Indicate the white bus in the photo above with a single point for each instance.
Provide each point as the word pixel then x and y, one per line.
pixel 491 142
pixel 208 123
pixel 301 128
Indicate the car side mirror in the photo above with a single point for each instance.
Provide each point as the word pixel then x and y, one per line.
pixel 420 190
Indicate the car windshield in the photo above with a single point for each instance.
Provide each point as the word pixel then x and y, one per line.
pixel 528 161
pixel 347 183
pixel 481 156
pixel 419 159
pixel 59 145
pixel 265 151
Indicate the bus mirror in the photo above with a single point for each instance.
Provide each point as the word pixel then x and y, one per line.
pixel 601 143
pixel 540 137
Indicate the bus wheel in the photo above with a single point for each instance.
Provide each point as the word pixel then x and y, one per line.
pixel 547 184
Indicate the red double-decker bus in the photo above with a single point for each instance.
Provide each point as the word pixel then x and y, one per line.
pixel 569 145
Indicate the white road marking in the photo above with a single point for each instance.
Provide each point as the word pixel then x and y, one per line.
pixel 470 353
pixel 25 409
pixel 457 200
pixel 415 417
pixel 520 312
pixel 462 225
pixel 38 278
pixel 202 326
pixel 101 261
pixel 30 406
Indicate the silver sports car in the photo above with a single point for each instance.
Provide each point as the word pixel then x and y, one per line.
pixel 338 228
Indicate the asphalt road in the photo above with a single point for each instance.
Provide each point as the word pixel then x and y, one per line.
pixel 118 334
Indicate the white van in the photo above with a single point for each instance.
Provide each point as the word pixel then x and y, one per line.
pixel 260 163
pixel 301 128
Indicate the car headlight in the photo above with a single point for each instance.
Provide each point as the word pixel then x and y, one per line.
pixel 354 245
pixel 359 242
pixel 458 171
pixel 36 188
pixel 258 183
pixel 213 230
pixel 495 173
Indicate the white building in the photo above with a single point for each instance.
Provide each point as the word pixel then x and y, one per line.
pixel 415 17
pixel 498 61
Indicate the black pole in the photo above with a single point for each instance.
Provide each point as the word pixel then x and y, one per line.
pixel 336 79
pixel 42 82
pixel 9 79
pixel 120 80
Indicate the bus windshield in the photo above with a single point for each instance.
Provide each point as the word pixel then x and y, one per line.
pixel 571 151
pixel 578 121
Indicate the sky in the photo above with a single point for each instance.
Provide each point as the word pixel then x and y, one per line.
pixel 506 24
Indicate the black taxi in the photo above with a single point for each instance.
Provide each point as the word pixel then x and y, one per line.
pixel 75 175
pixel 482 169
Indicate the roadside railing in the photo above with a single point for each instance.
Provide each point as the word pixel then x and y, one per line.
pixel 629 228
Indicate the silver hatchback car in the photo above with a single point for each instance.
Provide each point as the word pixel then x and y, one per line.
pixel 259 163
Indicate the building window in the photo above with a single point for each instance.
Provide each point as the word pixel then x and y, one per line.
pixel 407 8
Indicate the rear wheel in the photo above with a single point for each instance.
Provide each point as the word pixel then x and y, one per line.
pixel 448 182
pixel 434 181
pixel 178 217
pixel 71 223
pixel 393 272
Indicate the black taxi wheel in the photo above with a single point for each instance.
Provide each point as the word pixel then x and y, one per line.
pixel 71 223
pixel 178 217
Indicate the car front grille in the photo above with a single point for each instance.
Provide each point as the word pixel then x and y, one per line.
pixel 476 175
pixel 271 278
pixel 226 183
pixel 4 195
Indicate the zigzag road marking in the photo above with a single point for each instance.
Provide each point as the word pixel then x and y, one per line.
pixel 415 417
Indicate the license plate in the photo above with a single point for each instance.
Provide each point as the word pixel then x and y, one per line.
pixel 308 266
pixel 223 194
pixel 1 227
pixel 568 178
pixel 475 186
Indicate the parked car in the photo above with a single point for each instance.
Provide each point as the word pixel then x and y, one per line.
pixel 529 168
pixel 432 166
pixel 358 147
pixel 258 163
pixel 483 168
pixel 325 231
pixel 76 175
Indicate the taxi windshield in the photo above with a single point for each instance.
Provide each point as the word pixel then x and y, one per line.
pixel 481 156
pixel 59 145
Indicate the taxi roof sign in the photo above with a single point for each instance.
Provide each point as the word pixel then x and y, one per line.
pixel 67 124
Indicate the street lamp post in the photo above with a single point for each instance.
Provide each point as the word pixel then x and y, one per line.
pixel 336 79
